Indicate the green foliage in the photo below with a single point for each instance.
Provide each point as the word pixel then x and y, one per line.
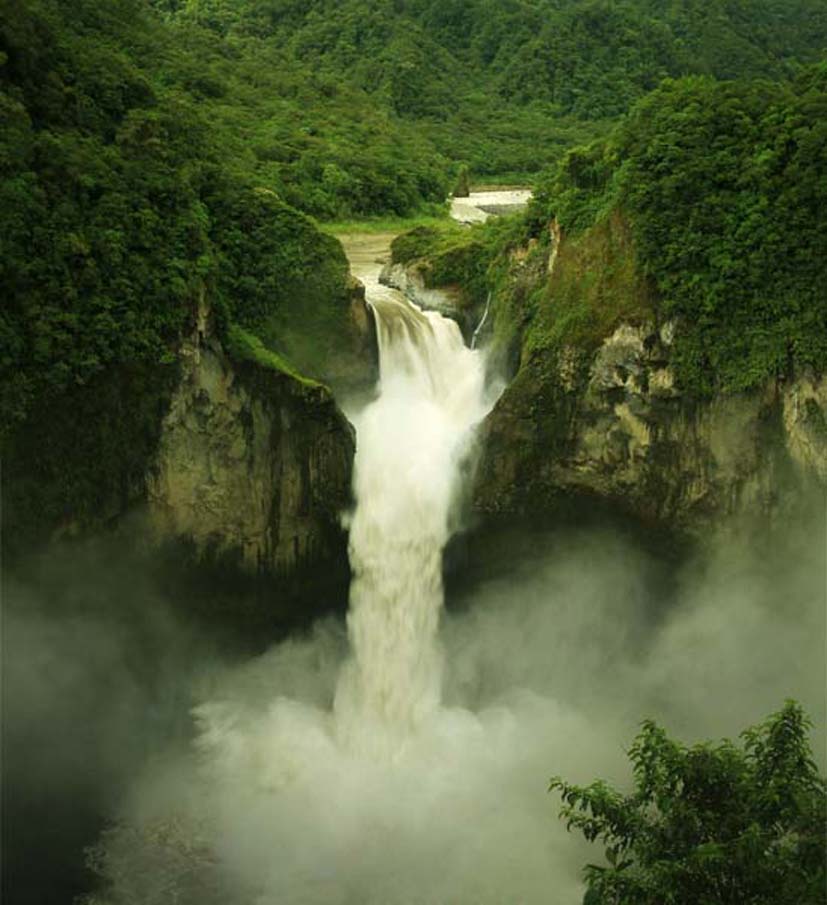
pixel 506 87
pixel 723 185
pixel 276 269
pixel 150 155
pixel 716 824
pixel 244 346
pixel 462 186
pixel 470 258
pixel 746 266
pixel 125 203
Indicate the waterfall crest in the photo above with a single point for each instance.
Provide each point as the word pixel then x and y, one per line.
pixel 412 441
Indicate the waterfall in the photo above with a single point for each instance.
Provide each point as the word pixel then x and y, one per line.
pixel 411 444
pixel 481 324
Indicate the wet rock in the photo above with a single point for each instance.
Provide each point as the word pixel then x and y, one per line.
pixel 618 428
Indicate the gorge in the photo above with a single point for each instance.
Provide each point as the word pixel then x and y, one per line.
pixel 346 517
pixel 404 758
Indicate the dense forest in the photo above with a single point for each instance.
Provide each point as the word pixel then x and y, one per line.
pixel 720 186
pixel 148 149
pixel 723 184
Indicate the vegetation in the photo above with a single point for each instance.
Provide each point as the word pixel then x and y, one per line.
pixel 706 205
pixel 155 151
pixel 125 203
pixel 244 346
pixel 502 85
pixel 387 224
pixel 723 186
pixel 716 824
pixel 460 255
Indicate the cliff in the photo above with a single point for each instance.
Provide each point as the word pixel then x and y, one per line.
pixel 252 463
pixel 614 425
pixel 595 406
pixel 225 453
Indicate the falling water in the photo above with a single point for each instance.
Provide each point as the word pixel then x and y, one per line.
pixel 391 796
pixel 412 441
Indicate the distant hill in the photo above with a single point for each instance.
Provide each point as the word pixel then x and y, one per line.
pixel 505 84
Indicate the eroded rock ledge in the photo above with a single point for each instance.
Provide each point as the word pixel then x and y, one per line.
pixel 411 280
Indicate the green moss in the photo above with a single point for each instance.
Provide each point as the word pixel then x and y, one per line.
pixel 245 346
pixel 597 284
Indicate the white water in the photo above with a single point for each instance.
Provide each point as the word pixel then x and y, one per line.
pixel 412 441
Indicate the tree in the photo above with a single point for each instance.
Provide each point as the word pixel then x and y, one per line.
pixel 462 187
pixel 712 824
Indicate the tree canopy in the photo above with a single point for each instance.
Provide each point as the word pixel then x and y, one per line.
pixel 151 149
pixel 723 185
pixel 712 823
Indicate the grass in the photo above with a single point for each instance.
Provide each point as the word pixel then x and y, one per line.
pixel 504 182
pixel 380 224
pixel 429 215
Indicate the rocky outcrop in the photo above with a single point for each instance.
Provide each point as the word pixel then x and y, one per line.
pixel 805 423
pixel 614 425
pixel 252 464
pixel 412 280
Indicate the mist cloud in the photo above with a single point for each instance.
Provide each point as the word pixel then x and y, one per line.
pixel 549 670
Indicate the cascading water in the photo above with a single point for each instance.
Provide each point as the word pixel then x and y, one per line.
pixel 330 771
pixel 411 444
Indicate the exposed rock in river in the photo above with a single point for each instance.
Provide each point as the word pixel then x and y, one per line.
pixel 412 281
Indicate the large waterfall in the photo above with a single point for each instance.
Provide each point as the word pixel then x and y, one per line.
pixel 366 768
pixel 412 441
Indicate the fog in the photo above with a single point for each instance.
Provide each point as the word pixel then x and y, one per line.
pixel 553 654
pixel 98 662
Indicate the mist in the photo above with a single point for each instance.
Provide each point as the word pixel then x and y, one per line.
pixel 549 667
pixel 99 663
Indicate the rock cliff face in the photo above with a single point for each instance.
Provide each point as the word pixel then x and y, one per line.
pixel 615 426
pixel 252 464
pixel 223 460
pixel 603 415
pixel 411 280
